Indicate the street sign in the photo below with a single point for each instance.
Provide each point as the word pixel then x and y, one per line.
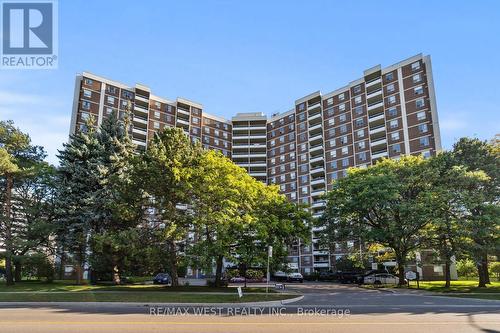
pixel 410 275
pixel 240 292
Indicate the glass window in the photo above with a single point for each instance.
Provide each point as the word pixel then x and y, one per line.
pixel 415 66
pixel 395 136
pixel 418 90
pixel 110 99
pixel 396 148
pixel 394 123
pixel 419 103
pixel 422 128
pixel 392 112
pixel 390 88
pixel 424 141
pixel 360 133
pixel 358 100
pixel 421 115
pixel 86 105
pixel 87 93
pixel 157 115
pixel 417 78
pixel 392 99
pixel 389 76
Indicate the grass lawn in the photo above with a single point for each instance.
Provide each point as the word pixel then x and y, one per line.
pixel 64 285
pixel 460 286
pixel 66 291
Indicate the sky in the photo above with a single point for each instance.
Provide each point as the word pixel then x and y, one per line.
pixel 260 56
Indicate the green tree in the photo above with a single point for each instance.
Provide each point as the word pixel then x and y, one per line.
pixel 466 268
pixel 482 224
pixel 223 197
pixel 166 172
pixel 495 269
pixel 17 158
pixel 78 181
pixel 389 203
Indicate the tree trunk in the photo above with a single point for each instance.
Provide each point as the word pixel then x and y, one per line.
pixel 486 269
pixel 79 268
pixel 18 271
pixel 480 274
pixel 172 262
pixel 447 274
pixel 401 269
pixel 218 271
pixel 8 230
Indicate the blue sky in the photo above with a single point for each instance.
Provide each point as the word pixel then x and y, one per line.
pixel 248 56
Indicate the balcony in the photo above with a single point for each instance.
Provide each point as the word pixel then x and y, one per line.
pixel 317 193
pixel 375 106
pixel 318 170
pixel 379 154
pixel 320 252
pixel 375 117
pixel 314 117
pixel 374 94
pixel 183 122
pixel 373 82
pixel 317 216
pixel 139 142
pixel 314 106
pixel 317 181
pixel 321 264
pixel 314 128
pixel 139 131
pixel 247 165
pixel 247 128
pixel 185 112
pixel 140 120
pixel 378 142
pixel 377 129
pixel 141 109
pixel 318 204
pixel 316 138
pixel 320 158
pixel 258 174
pixel 316 148
pixel 141 98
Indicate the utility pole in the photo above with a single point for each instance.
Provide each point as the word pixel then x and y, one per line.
pixel 269 255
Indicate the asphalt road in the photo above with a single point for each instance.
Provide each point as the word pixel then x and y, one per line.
pixel 324 308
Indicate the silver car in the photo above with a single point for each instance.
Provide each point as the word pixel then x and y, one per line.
pixel 378 279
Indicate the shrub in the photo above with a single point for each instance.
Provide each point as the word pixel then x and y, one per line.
pixel 254 274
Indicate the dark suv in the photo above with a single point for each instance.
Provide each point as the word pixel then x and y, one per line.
pixel 162 278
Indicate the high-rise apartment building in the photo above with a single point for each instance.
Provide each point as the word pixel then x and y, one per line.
pixel 388 112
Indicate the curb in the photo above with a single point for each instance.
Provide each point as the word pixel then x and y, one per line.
pixel 118 304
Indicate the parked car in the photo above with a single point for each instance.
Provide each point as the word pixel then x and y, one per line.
pixel 295 277
pixel 349 277
pixel 280 276
pixel 361 278
pixel 379 279
pixel 162 278
pixel 237 279
pixel 328 276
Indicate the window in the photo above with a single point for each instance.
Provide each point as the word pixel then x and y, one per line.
pixel 282 139
pixel 395 136
pixel 343 128
pixel 421 115
pixel 333 153
pixel 302 116
pixel 302 107
pixel 329 101
pixel 390 88
pixel 394 123
pixel 333 164
pixel 156 125
pixel 292 166
pixel 331 121
pixel 389 76
pixel 303 179
pixel 292 156
pixel 282 149
pixel 304 168
pixel 224 135
pixel 332 143
pixel 195 130
pixel 216 142
pixel 87 93
pixel 391 99
pixel 303 147
pixel 282 158
pixel 357 100
pixel 207 130
pixel 110 100
pixel 396 148
pixel 392 112
pixel 361 145
pixel 360 122
pixel 342 118
pixel 362 156
pixel 273 143
pixel 422 128
pixel 196 120
pixel 302 126
pixel 293 195
pixel 358 110
pixel 343 139
pixel 415 66
pixel 424 142
pixel 85 115
pixel 157 115
pixel 110 89
pixel 282 187
pixel 303 157
pixel 357 89
pixel 360 133
pixel 282 178
pixel 88 82
pixel 342 106
pixel 418 90
pixel 216 132
pixel 291 127
pixel 109 111
pixel 85 105
pixel 305 189
pixel 345 150
pixel 345 162
pixel 273 161
pixel 417 78
pixel 292 146
pixel 342 96
pixel 426 154
pixel 420 103
pixel 292 175
pixel 329 112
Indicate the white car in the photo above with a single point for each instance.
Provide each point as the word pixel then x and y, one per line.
pixel 378 279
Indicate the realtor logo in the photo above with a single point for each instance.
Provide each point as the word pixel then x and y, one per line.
pixel 29 34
